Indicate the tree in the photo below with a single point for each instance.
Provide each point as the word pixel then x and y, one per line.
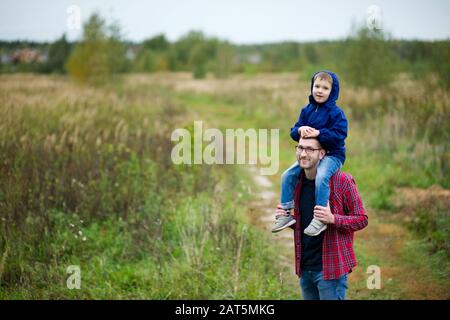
pixel 368 59
pixel 154 55
pixel 441 62
pixel 310 53
pixel 100 55
pixel 223 61
pixel 191 52
pixel 58 54
pixel 158 43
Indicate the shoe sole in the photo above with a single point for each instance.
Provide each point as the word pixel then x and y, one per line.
pixel 317 233
pixel 290 223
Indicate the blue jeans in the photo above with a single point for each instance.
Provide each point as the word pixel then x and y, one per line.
pixel 327 167
pixel 314 287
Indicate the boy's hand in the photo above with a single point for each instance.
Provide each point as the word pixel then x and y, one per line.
pixel 312 134
pixel 303 131
pixel 308 132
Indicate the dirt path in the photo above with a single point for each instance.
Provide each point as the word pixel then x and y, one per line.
pixel 262 213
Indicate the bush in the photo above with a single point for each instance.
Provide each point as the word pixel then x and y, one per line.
pixel 432 222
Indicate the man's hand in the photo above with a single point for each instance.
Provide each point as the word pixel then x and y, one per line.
pixel 280 211
pixel 324 214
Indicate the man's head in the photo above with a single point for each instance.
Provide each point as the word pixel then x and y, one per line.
pixel 309 153
pixel 321 89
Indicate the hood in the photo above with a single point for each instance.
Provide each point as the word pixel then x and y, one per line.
pixel 334 94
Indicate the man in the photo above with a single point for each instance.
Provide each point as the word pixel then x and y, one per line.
pixel 324 261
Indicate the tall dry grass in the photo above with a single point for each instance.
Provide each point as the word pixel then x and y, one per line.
pixel 86 178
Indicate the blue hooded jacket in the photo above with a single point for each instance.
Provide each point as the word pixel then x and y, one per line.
pixel 326 117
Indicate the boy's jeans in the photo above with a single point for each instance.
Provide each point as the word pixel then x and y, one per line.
pixel 314 287
pixel 327 167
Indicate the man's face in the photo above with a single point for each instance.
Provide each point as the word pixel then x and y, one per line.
pixel 309 153
pixel 321 90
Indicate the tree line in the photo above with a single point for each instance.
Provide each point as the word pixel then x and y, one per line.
pixel 366 57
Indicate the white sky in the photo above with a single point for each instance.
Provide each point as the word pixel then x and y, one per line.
pixel 239 21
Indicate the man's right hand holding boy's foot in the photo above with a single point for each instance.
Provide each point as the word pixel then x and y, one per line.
pixel 283 219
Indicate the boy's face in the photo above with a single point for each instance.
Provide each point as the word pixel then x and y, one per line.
pixel 321 90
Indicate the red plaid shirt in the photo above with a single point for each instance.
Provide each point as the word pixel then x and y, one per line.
pixel 338 257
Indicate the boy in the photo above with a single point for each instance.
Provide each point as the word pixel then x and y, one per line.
pixel 323 119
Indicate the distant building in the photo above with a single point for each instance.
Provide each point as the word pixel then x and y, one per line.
pixel 132 52
pixel 254 58
pixel 4 58
pixel 28 55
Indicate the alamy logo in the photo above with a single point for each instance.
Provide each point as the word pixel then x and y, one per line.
pixel 230 148
pixel 74 280
pixel 74 17
pixel 374 280
pixel 374 17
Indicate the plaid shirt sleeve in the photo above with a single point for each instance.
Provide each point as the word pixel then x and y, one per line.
pixel 355 217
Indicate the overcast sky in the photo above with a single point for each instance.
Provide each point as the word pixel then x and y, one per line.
pixel 239 21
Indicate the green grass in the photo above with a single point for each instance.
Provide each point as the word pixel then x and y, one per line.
pixel 153 230
pixel 138 226
pixel 196 257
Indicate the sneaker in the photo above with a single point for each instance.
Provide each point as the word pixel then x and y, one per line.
pixel 315 228
pixel 282 222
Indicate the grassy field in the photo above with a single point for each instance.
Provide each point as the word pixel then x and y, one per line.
pixel 86 179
